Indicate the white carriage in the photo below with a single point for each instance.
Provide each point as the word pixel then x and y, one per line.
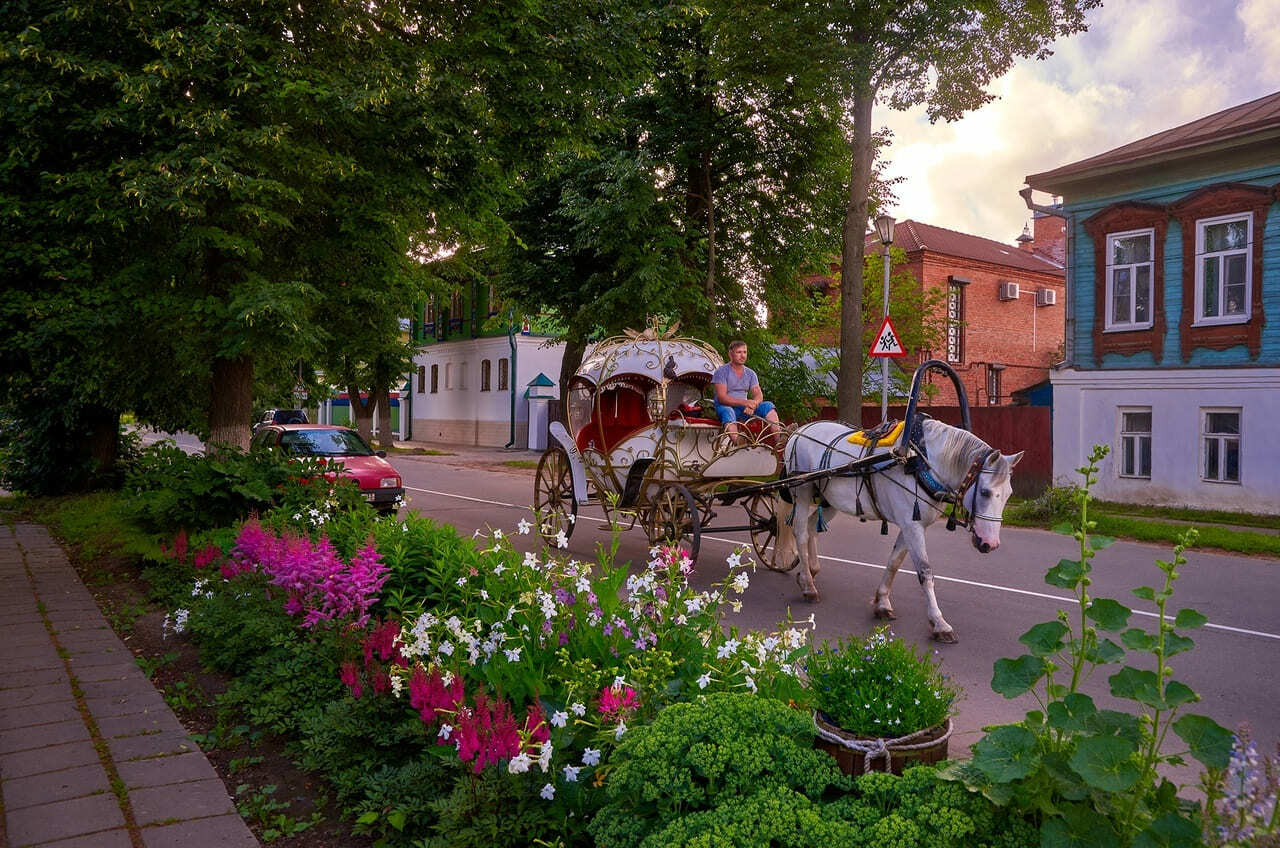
pixel 645 445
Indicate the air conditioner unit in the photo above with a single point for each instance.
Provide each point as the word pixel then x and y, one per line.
pixel 1008 291
pixel 1046 297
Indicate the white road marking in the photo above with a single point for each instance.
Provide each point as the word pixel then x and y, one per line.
pixel 995 587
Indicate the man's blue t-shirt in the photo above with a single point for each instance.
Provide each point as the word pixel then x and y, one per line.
pixel 735 386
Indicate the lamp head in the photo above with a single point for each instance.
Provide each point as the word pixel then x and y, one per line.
pixel 884 229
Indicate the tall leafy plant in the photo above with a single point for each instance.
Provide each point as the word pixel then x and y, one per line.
pixel 1091 774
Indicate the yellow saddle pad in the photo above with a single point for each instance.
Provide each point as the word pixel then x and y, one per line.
pixel 860 439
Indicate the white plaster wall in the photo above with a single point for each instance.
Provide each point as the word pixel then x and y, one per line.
pixel 459 412
pixel 1086 412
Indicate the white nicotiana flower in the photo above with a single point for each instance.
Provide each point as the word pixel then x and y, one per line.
pixel 544 756
pixel 571 773
pixel 578 708
pixel 727 649
pixel 734 559
pixel 397 685
pixel 513 654
pixel 751 683
pixel 583 585
pixel 519 764
pixel 497 534
pixel 703 681
pixel 498 569
pixel 573 519
pixel 741 582
pixel 590 756
pixel 559 718
pixel 619 682
pixel 446 648
pixel 562 541
pixel 180 620
pixel 619 730
pixel 524 527
pixel 484 594
pixel 548 792
pixel 446 730
pixel 530 559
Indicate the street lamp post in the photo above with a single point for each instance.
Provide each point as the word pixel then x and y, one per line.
pixel 884 229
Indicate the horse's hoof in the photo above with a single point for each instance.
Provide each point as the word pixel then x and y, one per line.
pixel 886 615
pixel 947 638
pixel 812 596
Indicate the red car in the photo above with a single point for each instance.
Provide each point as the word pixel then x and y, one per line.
pixel 379 482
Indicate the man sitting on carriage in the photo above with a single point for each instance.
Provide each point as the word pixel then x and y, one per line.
pixel 738 396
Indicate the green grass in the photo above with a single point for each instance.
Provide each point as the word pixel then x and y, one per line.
pixel 521 463
pixel 1226 531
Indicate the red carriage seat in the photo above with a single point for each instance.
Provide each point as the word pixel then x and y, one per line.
pixel 621 411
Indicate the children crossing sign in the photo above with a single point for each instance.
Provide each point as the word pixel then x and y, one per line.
pixel 887 342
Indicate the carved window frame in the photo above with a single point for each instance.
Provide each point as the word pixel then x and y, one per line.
pixel 1117 218
pixel 1221 199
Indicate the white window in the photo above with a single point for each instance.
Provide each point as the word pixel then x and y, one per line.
pixel 1135 442
pixel 1220 435
pixel 1223 270
pixel 448 375
pixel 1129 280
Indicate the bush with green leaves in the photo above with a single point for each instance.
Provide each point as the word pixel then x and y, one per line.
pixel 167 489
pixel 697 756
pixel 879 686
pixel 1090 774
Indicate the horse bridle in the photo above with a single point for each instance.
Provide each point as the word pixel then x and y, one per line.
pixel 970 478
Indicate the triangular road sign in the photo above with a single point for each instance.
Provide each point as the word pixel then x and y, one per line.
pixel 887 342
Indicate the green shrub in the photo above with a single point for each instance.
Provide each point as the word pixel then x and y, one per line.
pixel 168 489
pixel 879 686
pixel 771 817
pixel 697 756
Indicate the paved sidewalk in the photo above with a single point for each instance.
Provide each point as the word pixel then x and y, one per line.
pixel 90 754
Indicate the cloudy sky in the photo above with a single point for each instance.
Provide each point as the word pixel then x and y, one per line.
pixel 1143 66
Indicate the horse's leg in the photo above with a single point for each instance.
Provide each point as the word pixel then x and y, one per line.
pixel 804 526
pixel 884 607
pixel 914 534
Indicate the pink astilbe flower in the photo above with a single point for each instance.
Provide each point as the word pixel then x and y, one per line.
pixel 350 675
pixel 617 702
pixel 318 585
pixel 179 550
pixel 207 555
pixel 535 724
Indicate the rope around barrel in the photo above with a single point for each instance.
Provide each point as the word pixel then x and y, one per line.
pixel 873 749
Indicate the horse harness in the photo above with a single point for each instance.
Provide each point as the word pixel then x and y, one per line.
pixel 915 459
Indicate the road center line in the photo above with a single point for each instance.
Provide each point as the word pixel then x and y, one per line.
pixel 977 584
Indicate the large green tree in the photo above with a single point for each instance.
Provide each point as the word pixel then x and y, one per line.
pixel 188 188
pixel 717 170
pixel 939 53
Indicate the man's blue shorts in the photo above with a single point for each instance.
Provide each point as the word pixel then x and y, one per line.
pixel 737 413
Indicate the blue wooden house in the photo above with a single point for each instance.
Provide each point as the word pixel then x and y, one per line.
pixel 1173 314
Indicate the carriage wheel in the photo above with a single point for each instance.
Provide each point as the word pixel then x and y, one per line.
pixel 553 499
pixel 673 517
pixel 759 509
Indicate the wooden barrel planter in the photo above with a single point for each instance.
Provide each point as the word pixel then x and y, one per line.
pixel 857 755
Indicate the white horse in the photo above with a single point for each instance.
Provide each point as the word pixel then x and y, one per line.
pixel 957 460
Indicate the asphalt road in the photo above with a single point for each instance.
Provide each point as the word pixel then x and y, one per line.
pixel 990 599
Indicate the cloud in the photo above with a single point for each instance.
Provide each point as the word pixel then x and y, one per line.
pixel 1144 66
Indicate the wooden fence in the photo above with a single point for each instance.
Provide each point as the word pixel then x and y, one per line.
pixel 1009 428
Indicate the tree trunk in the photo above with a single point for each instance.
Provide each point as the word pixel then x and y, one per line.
pixel 849 388
pixel 574 349
pixel 384 417
pixel 361 412
pixel 103 440
pixel 231 403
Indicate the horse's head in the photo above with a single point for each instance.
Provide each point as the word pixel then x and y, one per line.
pixel 989 493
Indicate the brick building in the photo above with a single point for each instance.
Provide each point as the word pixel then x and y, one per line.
pixel 1004 304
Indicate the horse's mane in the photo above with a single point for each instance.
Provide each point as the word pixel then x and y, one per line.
pixel 956 449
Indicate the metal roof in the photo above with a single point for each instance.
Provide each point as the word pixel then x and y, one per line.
pixel 912 235
pixel 1237 123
